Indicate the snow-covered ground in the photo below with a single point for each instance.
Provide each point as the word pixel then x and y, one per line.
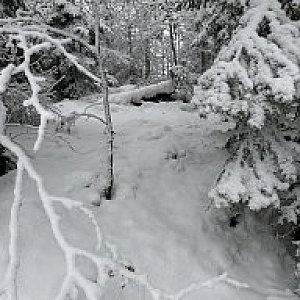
pixel 160 221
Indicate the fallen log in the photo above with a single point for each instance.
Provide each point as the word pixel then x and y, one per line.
pixel 153 92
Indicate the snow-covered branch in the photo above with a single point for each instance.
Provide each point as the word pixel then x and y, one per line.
pixel 255 82
pixel 48 201
pixel 73 276
pixel 258 71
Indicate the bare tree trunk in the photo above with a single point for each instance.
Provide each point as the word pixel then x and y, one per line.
pixel 109 135
pixel 109 176
pixel 129 36
pixel 168 64
pixel 172 41
pixel 147 59
pixel 178 45
pixel 163 61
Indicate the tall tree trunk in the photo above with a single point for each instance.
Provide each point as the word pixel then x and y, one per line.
pixel 178 45
pixel 172 41
pixel 147 59
pixel 109 176
pixel 129 36
pixel 168 64
pixel 163 60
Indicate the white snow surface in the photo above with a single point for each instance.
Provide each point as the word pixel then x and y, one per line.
pixel 166 161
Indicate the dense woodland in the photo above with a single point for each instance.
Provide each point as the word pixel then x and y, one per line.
pixel 237 59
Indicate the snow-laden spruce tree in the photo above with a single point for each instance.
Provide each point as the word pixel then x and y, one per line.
pixel 255 82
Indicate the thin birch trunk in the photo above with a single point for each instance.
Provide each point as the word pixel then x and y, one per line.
pixel 109 138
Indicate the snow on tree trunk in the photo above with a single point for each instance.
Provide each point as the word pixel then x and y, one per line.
pixel 109 133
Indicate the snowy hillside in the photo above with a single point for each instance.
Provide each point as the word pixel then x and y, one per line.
pixel 159 224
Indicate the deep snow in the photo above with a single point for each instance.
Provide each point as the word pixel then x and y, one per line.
pixel 166 160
